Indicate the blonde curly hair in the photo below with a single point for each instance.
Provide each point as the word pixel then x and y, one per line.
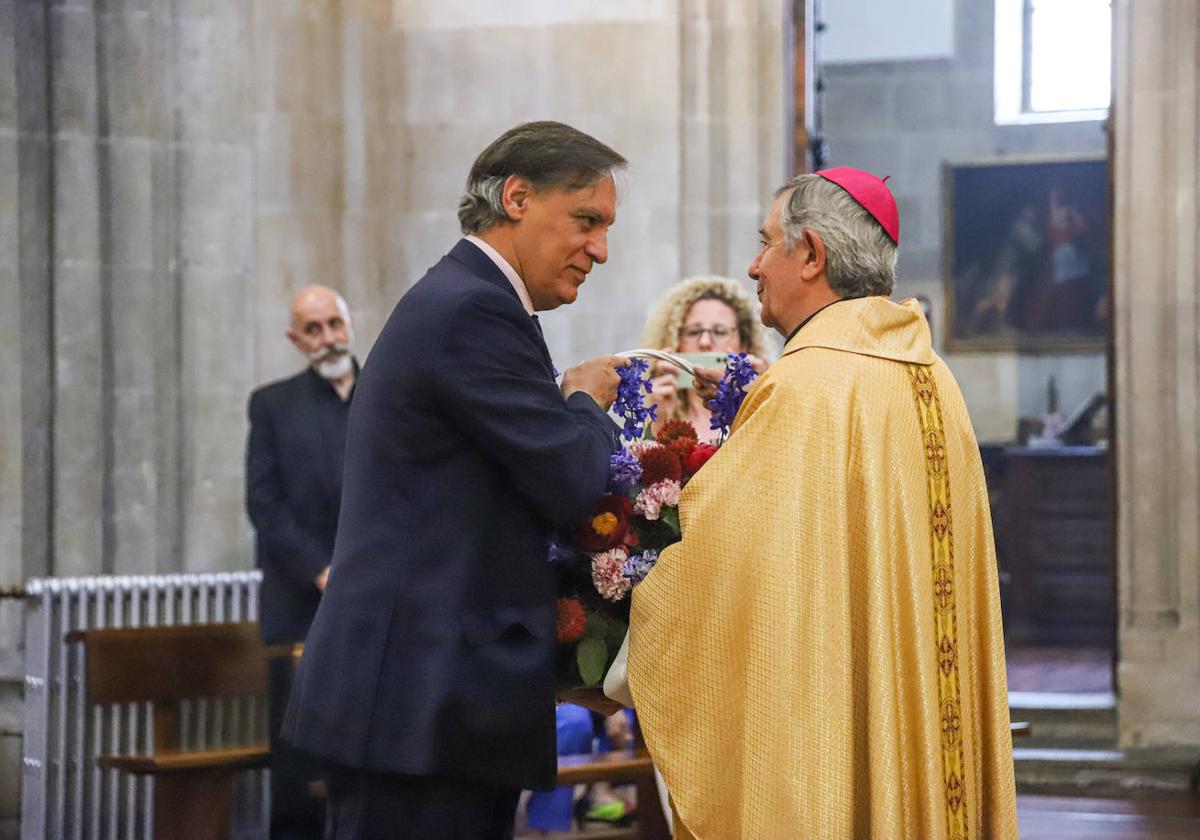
pixel 666 319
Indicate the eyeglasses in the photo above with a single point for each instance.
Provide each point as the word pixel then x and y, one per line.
pixel 693 333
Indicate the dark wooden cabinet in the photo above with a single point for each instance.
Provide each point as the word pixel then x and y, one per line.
pixel 1053 519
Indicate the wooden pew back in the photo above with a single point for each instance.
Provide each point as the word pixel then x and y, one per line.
pixel 193 789
pixel 154 664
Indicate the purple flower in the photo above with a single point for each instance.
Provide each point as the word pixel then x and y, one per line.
pixel 561 555
pixel 739 373
pixel 639 565
pixel 624 469
pixel 635 382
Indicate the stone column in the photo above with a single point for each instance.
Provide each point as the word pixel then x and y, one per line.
pixel 82 367
pixel 137 190
pixel 125 256
pixel 213 95
pixel 1156 158
pixel 25 296
pixel 732 129
pixel 372 162
pixel 296 95
pixel 25 377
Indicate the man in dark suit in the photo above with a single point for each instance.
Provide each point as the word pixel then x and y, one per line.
pixel 428 681
pixel 293 491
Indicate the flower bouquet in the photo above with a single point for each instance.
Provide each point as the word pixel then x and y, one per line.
pixel 604 557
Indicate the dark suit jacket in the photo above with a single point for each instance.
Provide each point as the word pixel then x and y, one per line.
pixel 432 652
pixel 293 490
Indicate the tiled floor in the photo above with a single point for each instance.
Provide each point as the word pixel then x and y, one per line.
pixel 1071 818
pixel 1059 669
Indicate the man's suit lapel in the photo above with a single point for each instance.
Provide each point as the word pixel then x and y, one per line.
pixel 483 267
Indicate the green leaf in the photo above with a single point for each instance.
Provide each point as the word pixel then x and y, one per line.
pixel 596 624
pixel 670 516
pixel 592 658
pixel 615 633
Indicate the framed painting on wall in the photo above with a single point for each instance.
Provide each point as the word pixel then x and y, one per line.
pixel 1026 254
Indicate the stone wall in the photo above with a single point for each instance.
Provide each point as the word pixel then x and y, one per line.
pixel 172 172
pixel 125 139
pixel 906 118
pixel 1157 298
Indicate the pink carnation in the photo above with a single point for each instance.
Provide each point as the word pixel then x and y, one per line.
pixel 654 498
pixel 607 576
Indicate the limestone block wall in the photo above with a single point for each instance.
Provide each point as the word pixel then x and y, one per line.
pixel 905 118
pixel 363 150
pixel 172 172
pixel 23 157
pixel 368 115
pixel 178 171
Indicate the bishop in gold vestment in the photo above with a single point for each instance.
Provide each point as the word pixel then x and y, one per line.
pixel 821 656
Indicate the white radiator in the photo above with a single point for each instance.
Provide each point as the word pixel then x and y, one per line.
pixel 65 794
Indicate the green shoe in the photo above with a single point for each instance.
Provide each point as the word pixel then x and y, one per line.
pixel 608 812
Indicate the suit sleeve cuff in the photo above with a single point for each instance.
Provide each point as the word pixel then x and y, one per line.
pixel 582 403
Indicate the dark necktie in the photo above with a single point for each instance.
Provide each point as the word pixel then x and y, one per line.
pixel 545 350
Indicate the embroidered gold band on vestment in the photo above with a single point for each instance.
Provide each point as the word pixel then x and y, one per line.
pixel 941 538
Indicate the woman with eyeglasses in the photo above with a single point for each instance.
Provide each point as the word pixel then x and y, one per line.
pixel 700 315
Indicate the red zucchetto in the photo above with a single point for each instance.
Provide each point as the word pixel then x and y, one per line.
pixel 870 192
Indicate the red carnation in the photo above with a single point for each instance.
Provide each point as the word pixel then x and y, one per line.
pixel 682 447
pixel 571 620
pixel 606 527
pixel 699 457
pixel 658 464
pixel 674 430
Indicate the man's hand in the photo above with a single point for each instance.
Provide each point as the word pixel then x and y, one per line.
pixel 705 383
pixel 616 727
pixel 707 378
pixel 596 377
pixel 322 579
pixel 664 387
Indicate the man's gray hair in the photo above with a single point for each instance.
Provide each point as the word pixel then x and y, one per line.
pixel 860 258
pixel 547 154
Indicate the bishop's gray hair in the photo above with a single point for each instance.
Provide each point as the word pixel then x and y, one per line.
pixel 547 154
pixel 860 258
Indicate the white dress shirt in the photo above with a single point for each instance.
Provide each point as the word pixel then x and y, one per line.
pixel 515 279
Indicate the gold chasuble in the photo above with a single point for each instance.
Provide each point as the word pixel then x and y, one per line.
pixel 821 657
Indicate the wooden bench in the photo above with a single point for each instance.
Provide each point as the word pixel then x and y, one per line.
pixel 618 767
pixel 193 789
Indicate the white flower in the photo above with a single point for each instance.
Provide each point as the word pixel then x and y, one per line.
pixel 608 574
pixel 654 498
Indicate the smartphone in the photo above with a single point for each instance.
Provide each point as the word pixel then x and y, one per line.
pixel 708 360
